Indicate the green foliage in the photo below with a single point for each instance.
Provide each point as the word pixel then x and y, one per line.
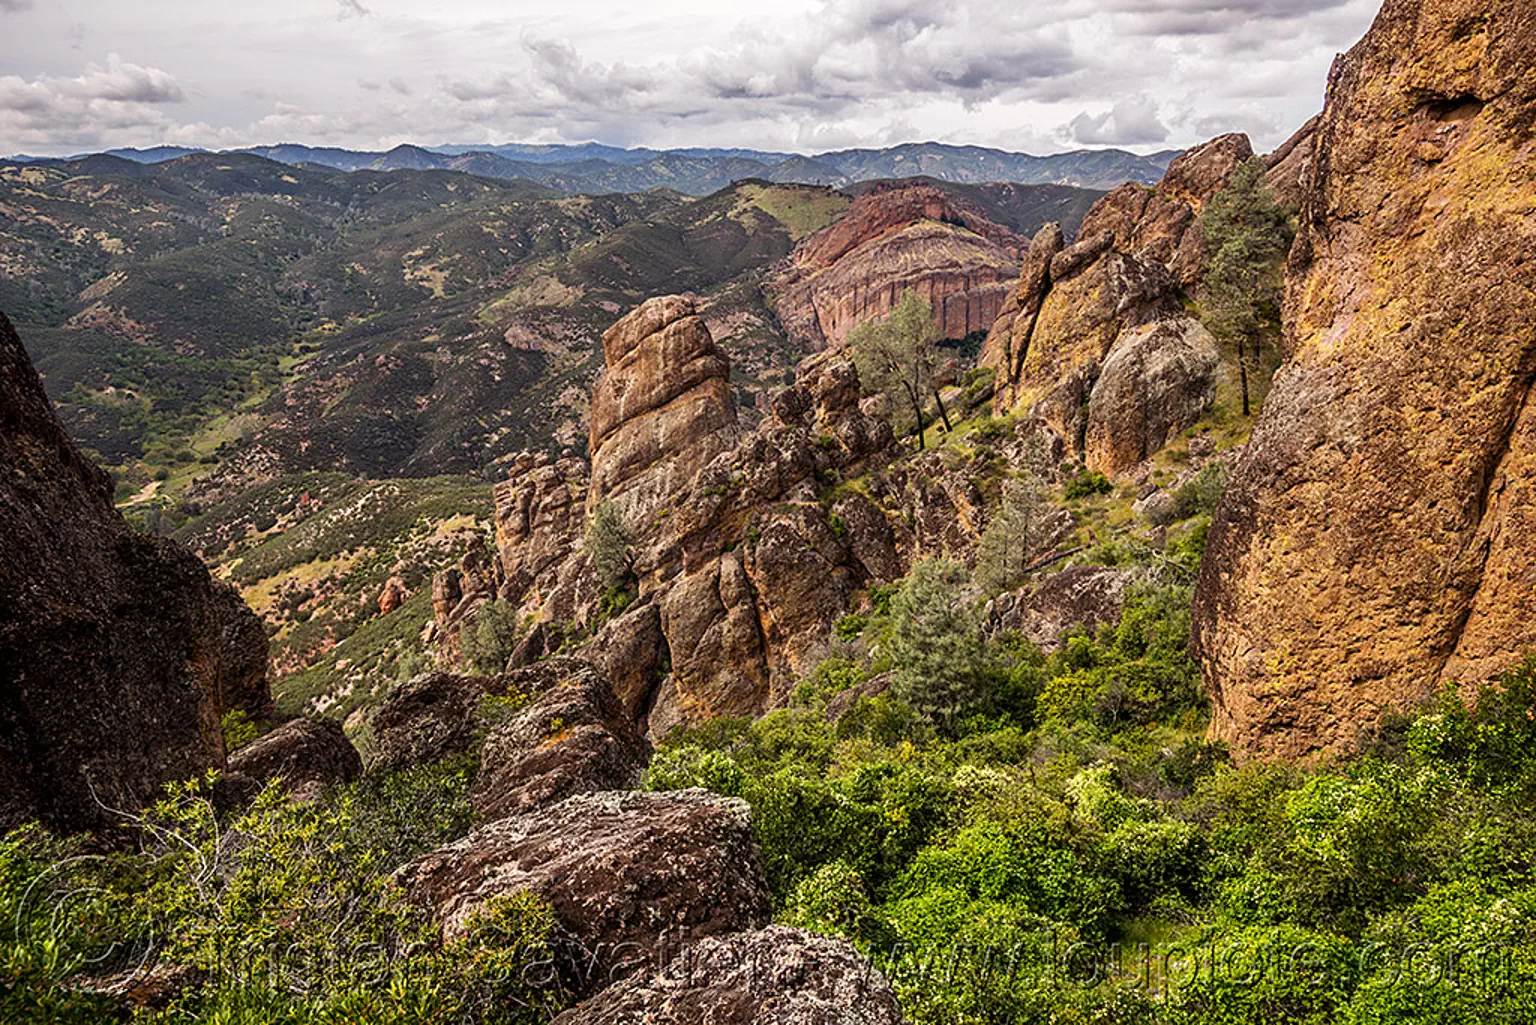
pixel 1086 484
pixel 896 357
pixel 933 643
pixel 288 911
pixel 1010 544
pixel 238 730
pixel 607 545
pixel 995 870
pixel 494 636
pixel 1247 234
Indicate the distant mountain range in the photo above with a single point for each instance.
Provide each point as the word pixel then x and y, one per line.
pixel 593 168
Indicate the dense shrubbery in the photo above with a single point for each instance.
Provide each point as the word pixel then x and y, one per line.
pixel 998 862
pixel 287 910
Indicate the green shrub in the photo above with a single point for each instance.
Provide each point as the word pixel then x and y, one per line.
pixel 1086 484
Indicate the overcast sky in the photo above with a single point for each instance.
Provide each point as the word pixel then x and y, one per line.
pixel 794 75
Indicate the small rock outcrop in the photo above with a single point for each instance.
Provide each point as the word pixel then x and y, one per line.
pixel 774 976
pixel 1290 164
pixel 428 718
pixel 627 874
pixel 1375 541
pixel 905 235
pixel 119 654
pixel 308 755
pixel 574 737
pixel 1080 596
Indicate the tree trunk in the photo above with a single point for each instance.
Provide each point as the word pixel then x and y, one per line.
pixel 917 411
pixel 1242 371
pixel 942 411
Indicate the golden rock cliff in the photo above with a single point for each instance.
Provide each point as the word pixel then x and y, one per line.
pixel 1378 539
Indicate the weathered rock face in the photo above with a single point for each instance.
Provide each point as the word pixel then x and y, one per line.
pixel 309 755
pixel 118 652
pixel 1156 380
pixel 905 236
pixel 1162 225
pixel 774 976
pixel 628 874
pixel 458 594
pixel 1095 340
pixel 1081 596
pixel 1101 350
pixel 1290 164
pixel 662 408
pixel 1377 538
pixel 574 737
pixel 744 566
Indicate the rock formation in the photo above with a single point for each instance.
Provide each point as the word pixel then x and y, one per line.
pixel 1375 540
pixel 630 876
pixel 119 654
pixel 1095 340
pixel 1101 350
pixel 906 235
pixel 308 755
pixel 744 555
pixel 574 737
pixel 662 408
pixel 1081 596
pixel 1290 164
pixel 775 976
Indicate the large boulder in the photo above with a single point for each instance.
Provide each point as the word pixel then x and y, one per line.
pixel 119 654
pixel 308 755
pixel 1156 380
pixel 774 976
pixel 427 719
pixel 628 874
pixel 574 737
pixel 1378 539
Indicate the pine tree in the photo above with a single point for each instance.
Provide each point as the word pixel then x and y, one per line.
pixel 1245 233
pixel 897 356
pixel 935 644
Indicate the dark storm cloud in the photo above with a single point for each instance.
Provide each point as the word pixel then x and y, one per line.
pixel 14 5
pixel 351 9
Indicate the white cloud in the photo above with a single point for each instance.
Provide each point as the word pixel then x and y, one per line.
pixel 1131 122
pixel 801 74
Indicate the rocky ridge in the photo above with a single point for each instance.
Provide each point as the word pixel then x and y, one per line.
pixel 744 553
pixel 1094 341
pixel 908 235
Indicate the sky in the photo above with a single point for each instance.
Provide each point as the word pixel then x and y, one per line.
pixel 805 76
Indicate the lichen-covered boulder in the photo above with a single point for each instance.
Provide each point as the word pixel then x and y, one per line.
pixel 628 874
pixel 774 976
pixel 308 755
pixel 574 737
